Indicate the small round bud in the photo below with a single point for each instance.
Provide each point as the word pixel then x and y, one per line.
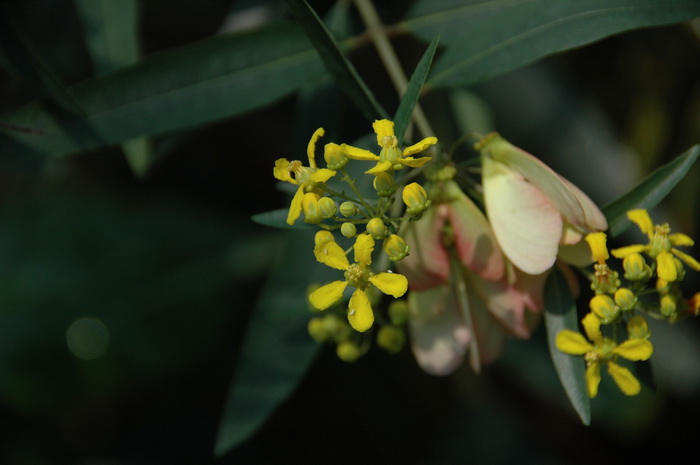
pixel 336 328
pixel 316 329
pixel 395 247
pixel 335 156
pixel 348 351
pixel 327 207
pixel 348 209
pixel 398 312
pixel 637 328
pixel 636 269
pixel 348 230
pixel 668 306
pixel 625 299
pixel 323 236
pixel 415 198
pixel 376 228
pixel 604 307
pixel 384 184
pixel 309 205
pixel 680 269
pixel 391 339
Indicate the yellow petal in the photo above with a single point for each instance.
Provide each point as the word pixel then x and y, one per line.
pixel 635 349
pixel 593 379
pixel 573 343
pixel 360 313
pixel 597 241
pixel 420 146
pixel 380 167
pixel 364 246
pixel 591 325
pixel 690 261
pixel 642 219
pixel 281 172
pixel 356 153
pixel 384 129
pixel 624 379
pixel 681 240
pixel 622 252
pixel 295 207
pixel 322 175
pixel 414 162
pixel 666 267
pixel 311 147
pixel 331 254
pixel 327 295
pixel 392 284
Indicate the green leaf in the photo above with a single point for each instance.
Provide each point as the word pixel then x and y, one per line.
pixel 560 313
pixel 650 191
pixel 278 219
pixel 488 38
pixel 198 83
pixel 277 350
pixel 402 118
pixel 336 63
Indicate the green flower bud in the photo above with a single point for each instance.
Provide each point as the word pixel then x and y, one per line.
pixel 335 156
pixel 415 198
pixel 348 209
pixel 604 307
pixel 398 312
pixel 395 247
pixel 636 269
pixel 637 328
pixel 309 205
pixel 336 328
pixel 348 351
pixel 384 184
pixel 668 306
pixel 391 339
pixel 625 299
pixel 317 329
pixel 327 207
pixel 348 230
pixel 376 228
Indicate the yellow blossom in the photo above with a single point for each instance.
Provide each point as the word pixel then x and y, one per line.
pixel 306 177
pixel 601 350
pixel 660 247
pixel 358 275
pixel 390 157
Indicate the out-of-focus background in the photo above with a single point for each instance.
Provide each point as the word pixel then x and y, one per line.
pixel 131 273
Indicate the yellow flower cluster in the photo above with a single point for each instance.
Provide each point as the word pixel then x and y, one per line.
pixel 616 306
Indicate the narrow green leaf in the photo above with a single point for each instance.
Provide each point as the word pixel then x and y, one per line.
pixel 488 38
pixel 650 190
pixel 277 350
pixel 402 118
pixel 198 83
pixel 560 313
pixel 336 63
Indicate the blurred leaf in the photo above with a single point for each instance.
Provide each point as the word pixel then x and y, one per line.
pixel 410 97
pixel 277 349
pixel 488 38
pixel 337 65
pixel 650 190
pixel 215 78
pixel 278 219
pixel 560 313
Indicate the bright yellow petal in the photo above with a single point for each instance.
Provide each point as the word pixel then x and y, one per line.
pixel 420 146
pixel 364 246
pixel 414 162
pixel 573 343
pixel 593 379
pixel 635 349
pixel 311 147
pixel 331 254
pixel 360 313
pixel 597 241
pixel 690 261
pixel 356 153
pixel 322 175
pixel 591 325
pixel 392 284
pixel 384 130
pixel 327 295
pixel 642 219
pixel 295 207
pixel 681 240
pixel 624 379
pixel 622 252
pixel 281 171
pixel 666 267
pixel 380 167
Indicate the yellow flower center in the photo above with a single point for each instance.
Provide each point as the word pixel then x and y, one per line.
pixel 660 242
pixel 357 276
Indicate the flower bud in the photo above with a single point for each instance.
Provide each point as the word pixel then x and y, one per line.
pixel 680 269
pixel 335 156
pixel 376 228
pixel 415 198
pixel 604 307
pixel 391 339
pixel 327 207
pixel 384 184
pixel 625 299
pixel 323 236
pixel 395 247
pixel 316 329
pixel 637 328
pixel 348 230
pixel 348 351
pixel 668 306
pixel 398 312
pixel 336 328
pixel 309 205
pixel 636 269
pixel 348 209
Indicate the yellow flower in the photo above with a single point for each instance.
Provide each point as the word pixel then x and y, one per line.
pixel 660 246
pixel 602 350
pixel 307 178
pixel 605 280
pixel 391 157
pixel 358 275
